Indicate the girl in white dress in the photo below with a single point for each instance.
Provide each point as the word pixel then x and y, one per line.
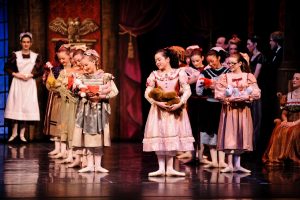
pixel 22 102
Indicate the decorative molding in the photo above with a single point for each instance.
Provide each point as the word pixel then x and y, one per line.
pixel 73 29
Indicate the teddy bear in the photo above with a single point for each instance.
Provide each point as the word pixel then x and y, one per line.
pixel 282 98
pixel 170 98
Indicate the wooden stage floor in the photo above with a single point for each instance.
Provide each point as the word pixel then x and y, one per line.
pixel 26 172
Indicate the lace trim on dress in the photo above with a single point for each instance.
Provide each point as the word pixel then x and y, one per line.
pixel 168 144
pixel 166 76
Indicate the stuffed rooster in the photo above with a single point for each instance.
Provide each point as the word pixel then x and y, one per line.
pixel 206 82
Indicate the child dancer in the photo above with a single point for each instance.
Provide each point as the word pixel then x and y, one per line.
pixel 63 55
pixel 212 107
pixel 70 99
pixel 236 90
pixel 166 132
pixel 52 116
pixel 96 88
pixel 77 71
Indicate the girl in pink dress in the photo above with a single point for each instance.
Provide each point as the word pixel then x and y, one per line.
pixel 167 132
pixel 236 90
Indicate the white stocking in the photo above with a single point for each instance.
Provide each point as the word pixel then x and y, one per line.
pixel 237 164
pixel 56 147
pixel 229 167
pixel 161 166
pixel 214 158
pixel 90 162
pixel 170 168
pixel 14 132
pixel 222 159
pixel 98 167
pixel 22 133
pixel 63 151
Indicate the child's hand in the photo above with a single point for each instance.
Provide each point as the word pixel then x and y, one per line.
pixel 162 105
pixel 92 96
pixel 95 98
pixel 49 65
pixel 89 94
pixel 240 98
pixel 175 106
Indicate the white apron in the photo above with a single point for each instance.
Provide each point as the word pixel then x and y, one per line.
pixel 22 101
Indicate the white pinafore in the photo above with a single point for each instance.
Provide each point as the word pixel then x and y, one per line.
pixel 22 101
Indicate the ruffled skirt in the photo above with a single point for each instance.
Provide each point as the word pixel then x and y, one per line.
pixel 165 131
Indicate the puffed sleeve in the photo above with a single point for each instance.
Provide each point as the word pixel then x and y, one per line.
pixel 114 90
pixel 150 84
pixel 184 86
pixel 11 64
pixel 256 93
pixel 220 87
pixel 192 74
pixel 38 69
pixel 60 80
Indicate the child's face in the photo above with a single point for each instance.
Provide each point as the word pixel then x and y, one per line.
pixel 213 61
pixel 197 60
pixel 161 62
pixel 89 67
pixel 64 58
pixel 234 64
pixel 77 60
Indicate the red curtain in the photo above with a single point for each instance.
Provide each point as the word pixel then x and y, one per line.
pixel 136 18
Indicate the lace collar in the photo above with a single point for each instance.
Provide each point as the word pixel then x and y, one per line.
pixel 166 76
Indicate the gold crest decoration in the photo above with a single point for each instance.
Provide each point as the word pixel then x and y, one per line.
pixel 73 29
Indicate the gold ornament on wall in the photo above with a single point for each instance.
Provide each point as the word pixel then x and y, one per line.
pixel 73 29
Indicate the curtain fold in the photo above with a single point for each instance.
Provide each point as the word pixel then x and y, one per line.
pixel 136 18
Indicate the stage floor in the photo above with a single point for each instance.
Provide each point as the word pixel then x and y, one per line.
pixel 26 172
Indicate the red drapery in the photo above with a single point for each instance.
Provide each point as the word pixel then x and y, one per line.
pixel 136 18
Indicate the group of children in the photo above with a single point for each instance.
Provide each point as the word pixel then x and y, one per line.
pixel 84 90
pixel 222 100
pixel 217 97
pixel 77 114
